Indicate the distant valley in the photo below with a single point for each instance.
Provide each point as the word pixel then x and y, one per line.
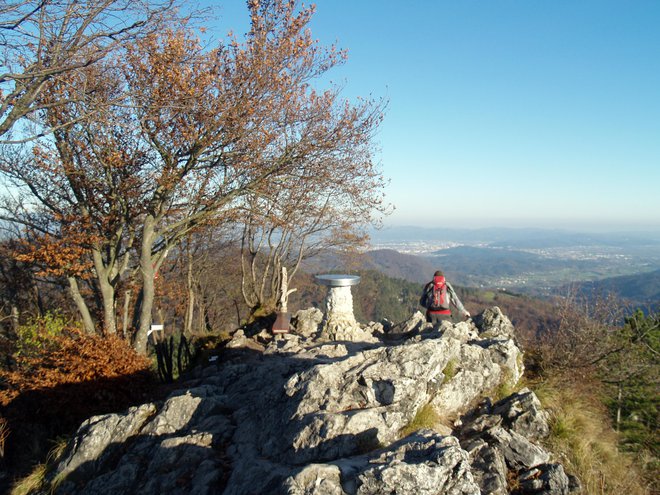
pixel 528 261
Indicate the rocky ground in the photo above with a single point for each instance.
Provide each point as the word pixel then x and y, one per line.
pixel 301 415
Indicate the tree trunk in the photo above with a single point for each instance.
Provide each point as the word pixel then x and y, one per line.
pixel 88 323
pixel 148 286
pixel 127 304
pixel 187 329
pixel 109 316
pixel 14 318
pixel 39 302
pixel 103 275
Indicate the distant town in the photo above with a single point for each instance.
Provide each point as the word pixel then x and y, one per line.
pixel 535 261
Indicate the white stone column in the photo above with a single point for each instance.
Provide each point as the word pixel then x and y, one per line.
pixel 339 313
pixel 338 320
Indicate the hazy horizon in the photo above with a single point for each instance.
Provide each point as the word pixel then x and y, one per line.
pixel 652 231
pixel 576 227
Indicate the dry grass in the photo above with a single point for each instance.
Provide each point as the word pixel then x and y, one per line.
pixel 585 443
pixel 32 483
pixel 426 417
pixel 450 370
pixel 35 482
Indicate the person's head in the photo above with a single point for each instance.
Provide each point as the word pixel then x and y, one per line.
pixel 438 273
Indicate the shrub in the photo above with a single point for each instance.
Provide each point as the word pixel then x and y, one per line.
pixel 59 378
pixel 40 334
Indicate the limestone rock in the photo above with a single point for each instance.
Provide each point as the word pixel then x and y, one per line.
pixel 500 437
pixel 308 416
pixel 285 343
pixel 375 328
pixel 149 450
pixel 519 452
pixel 547 479
pixel 407 328
pixel 367 397
pixel 423 463
pixel 441 467
pixel 492 323
pixel 306 321
pixel 523 414
pixel 488 468
pixel 239 339
pixel 463 331
pixel 88 449
pixel 315 479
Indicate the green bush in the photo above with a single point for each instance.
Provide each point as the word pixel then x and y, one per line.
pixel 40 334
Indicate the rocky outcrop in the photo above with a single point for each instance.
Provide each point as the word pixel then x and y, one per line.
pixel 301 416
pixel 422 463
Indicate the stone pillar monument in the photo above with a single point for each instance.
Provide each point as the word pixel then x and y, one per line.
pixel 338 321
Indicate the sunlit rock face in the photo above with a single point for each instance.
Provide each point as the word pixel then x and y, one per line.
pixel 303 415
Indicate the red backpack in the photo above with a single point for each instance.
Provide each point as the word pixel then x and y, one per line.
pixel 438 299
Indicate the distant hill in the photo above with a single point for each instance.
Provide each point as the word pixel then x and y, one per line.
pixel 466 265
pixel 641 289
pixel 387 261
pixel 470 268
pixel 399 265
pixel 536 273
pixel 473 266
pixel 481 262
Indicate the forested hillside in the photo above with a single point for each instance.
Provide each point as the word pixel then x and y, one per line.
pixel 642 290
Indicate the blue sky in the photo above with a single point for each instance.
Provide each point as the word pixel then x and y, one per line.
pixel 505 113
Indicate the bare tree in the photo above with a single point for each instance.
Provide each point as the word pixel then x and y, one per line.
pixel 78 193
pixel 242 120
pixel 586 334
pixel 334 194
pixel 42 40
pixel 197 132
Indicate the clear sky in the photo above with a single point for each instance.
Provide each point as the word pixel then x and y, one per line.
pixel 506 113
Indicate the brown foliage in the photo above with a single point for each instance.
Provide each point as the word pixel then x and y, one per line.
pixel 73 358
pixel 55 256
pixel 51 392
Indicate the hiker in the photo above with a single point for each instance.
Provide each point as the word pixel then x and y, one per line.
pixel 438 297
